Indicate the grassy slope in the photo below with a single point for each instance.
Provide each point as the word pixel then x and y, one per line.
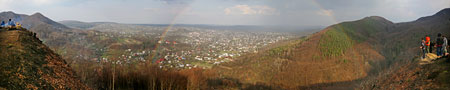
pixel 28 64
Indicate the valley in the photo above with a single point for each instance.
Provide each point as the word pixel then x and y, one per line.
pixel 181 47
pixel 368 53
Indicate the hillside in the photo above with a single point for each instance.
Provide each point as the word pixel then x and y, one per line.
pixel 401 41
pixel 341 55
pixel 401 48
pixel 415 74
pixel 26 63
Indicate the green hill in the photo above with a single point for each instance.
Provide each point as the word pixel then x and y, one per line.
pixel 343 36
pixel 339 53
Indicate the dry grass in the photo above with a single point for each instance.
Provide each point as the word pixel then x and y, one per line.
pixel 26 63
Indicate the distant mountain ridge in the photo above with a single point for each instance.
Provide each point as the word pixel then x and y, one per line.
pixel 442 14
pixel 31 21
pixel 103 26
pixel 38 23
pixel 83 25
pixel 39 17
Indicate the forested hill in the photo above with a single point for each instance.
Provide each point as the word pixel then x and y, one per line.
pixel 341 55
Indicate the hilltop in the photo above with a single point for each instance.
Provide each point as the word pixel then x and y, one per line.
pixel 28 64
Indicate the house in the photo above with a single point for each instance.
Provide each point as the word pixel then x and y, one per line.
pixel 160 60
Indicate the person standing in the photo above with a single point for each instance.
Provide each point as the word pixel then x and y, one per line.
pixel 11 24
pixel 18 26
pixel 427 44
pixel 432 45
pixel 2 25
pixel 423 48
pixel 439 43
pixel 444 45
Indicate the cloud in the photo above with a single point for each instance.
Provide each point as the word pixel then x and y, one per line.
pixel 4 4
pixel 41 2
pixel 152 9
pixel 250 10
pixel 177 2
pixel 325 12
pixel 8 3
pixel 439 4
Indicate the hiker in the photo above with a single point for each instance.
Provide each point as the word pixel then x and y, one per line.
pixel 11 24
pixel 444 45
pixel 18 25
pixel 432 44
pixel 3 24
pixel 423 47
pixel 439 43
pixel 448 47
pixel 427 44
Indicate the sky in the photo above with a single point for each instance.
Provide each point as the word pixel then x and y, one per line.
pixel 226 12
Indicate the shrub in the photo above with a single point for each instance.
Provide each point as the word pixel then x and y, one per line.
pixel 10 45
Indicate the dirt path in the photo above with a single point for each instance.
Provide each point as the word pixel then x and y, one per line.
pixel 430 73
pixel 430 57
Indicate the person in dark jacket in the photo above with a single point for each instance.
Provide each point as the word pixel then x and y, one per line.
pixel 3 24
pixel 431 47
pixel 439 44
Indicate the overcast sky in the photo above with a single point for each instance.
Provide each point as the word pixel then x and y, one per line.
pixel 226 12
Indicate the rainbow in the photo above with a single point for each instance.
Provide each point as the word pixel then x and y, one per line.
pixel 163 35
pixel 332 17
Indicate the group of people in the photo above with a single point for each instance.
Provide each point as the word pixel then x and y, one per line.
pixel 10 25
pixel 441 45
